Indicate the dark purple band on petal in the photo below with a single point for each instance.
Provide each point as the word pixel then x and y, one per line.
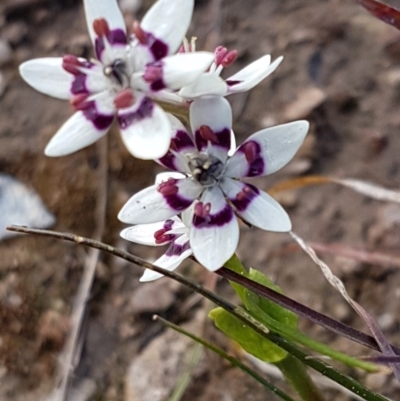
pixel 177 202
pixel 231 82
pixel 79 85
pixel 177 249
pixel 182 140
pixel 217 220
pixel 256 162
pixel 114 37
pixel 245 197
pixel 179 142
pixel 168 161
pixel 145 110
pixel 100 121
pixel 157 85
pixel 222 139
pixel 158 48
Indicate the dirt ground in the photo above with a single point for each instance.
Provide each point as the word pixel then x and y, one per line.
pixel 341 71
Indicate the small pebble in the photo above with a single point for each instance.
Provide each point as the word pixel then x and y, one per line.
pixel 6 53
pixel 307 101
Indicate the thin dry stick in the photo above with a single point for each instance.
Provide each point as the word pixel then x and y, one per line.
pixel 376 331
pixel 69 359
pixel 359 254
pixel 238 312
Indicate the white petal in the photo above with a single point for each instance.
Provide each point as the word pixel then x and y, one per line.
pixel 233 148
pixel 175 255
pixel 187 216
pixel 168 21
pixel 151 206
pixel 106 9
pixel 183 69
pixel 256 207
pixel 145 130
pixel 162 177
pixel 215 113
pixel 273 148
pixel 253 74
pixel 206 84
pixel 144 233
pixel 181 146
pixel 214 240
pixel 47 76
pixel 77 133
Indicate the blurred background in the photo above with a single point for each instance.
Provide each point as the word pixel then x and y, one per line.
pixel 341 71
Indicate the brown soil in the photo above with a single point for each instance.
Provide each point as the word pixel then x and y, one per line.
pixel 341 71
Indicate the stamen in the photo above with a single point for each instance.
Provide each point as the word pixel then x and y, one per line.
pixel 79 102
pixel 160 236
pixel 250 151
pixel 124 99
pixel 229 58
pixel 220 53
pixel 243 194
pixel 207 134
pixel 139 33
pixel 168 187
pixel 71 64
pixel 100 27
pixel 202 210
pixel 153 73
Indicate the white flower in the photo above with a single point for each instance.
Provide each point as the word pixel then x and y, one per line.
pixel 174 231
pixel 210 83
pixel 121 82
pixel 212 183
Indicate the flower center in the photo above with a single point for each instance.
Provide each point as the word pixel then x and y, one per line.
pixel 206 169
pixel 117 71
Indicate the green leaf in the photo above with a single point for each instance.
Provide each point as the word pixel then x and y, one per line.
pixel 252 342
pixel 254 303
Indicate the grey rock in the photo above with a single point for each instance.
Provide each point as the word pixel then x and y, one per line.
pixel 21 205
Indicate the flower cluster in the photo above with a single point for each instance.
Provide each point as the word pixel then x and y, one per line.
pixel 194 208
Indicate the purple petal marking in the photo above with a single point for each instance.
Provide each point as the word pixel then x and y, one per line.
pixel 154 75
pixel 177 249
pixel 256 161
pixel 245 197
pixel 79 85
pixel 114 37
pixel 219 219
pixel 179 142
pixel 145 110
pixel 100 121
pixel 177 202
pixel 160 236
pixel 158 48
pixel 168 161
pixel 232 82
pixel 221 139
pixel 157 85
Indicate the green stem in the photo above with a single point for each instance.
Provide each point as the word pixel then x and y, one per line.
pixel 297 376
pixel 186 377
pixel 295 335
pixel 346 381
pixel 231 359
